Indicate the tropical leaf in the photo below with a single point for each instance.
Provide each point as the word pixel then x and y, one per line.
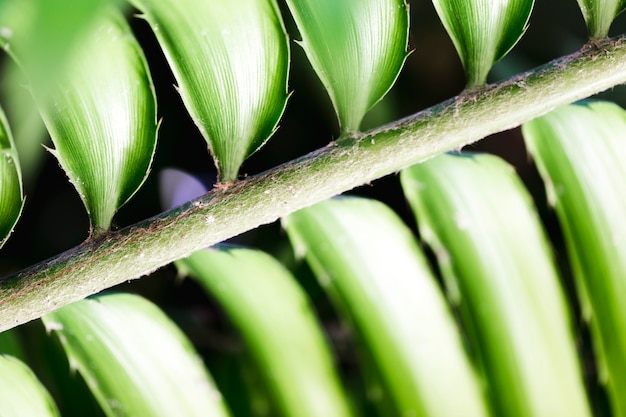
pixel 21 393
pixel 134 359
pixel 480 221
pixel 278 326
pixel 102 118
pixel 357 49
pixel 580 152
pixel 483 31
pixel 380 282
pixel 231 61
pixel 11 195
pixel 42 34
pixel 599 14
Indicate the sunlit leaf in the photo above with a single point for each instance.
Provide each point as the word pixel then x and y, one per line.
pixel 102 118
pixel 21 393
pixel 11 198
pixel 134 359
pixel 231 61
pixel 483 31
pixel 599 14
pixel 380 282
pixel 580 152
pixel 357 48
pixel 278 325
pixel 480 222
pixel 41 34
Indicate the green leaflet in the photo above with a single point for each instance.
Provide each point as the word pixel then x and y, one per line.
pixel 11 197
pixel 102 118
pixel 580 152
pixel 231 61
pixel 483 31
pixel 41 33
pixel 599 14
pixel 356 47
pixel 476 215
pixel 369 262
pixel 278 325
pixel 21 393
pixel 134 359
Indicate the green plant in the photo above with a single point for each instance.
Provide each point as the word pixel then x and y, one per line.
pixel 489 324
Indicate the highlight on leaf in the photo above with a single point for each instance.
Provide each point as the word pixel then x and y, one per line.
pixel 134 359
pixel 599 15
pixel 102 118
pixel 580 151
pixel 476 215
pixel 483 31
pixel 21 393
pixel 231 62
pixel 278 325
pixel 357 48
pixel 11 194
pixel 368 261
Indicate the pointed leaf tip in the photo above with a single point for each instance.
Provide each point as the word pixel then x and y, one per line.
pixel 483 31
pixel 599 15
pixel 357 48
pixel 231 61
pixel 102 118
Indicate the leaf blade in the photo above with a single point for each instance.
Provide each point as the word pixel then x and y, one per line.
pixel 133 358
pixel 102 119
pixel 231 62
pixel 579 150
pixel 483 31
pixel 21 393
pixel 11 192
pixel 599 15
pixel 475 214
pixel 356 48
pixel 369 263
pixel 279 327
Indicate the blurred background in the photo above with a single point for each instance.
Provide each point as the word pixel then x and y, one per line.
pixel 54 219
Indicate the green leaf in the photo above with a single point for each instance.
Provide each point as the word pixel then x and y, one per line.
pixel 102 118
pixel 11 195
pixel 356 47
pixel 21 393
pixel 371 266
pixel 599 14
pixel 476 215
pixel 483 31
pixel 42 34
pixel 278 324
pixel 231 61
pixel 134 359
pixel 580 152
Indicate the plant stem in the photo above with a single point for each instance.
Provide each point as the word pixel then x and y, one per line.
pixel 141 248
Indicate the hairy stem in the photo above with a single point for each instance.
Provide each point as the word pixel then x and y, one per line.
pixel 351 161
